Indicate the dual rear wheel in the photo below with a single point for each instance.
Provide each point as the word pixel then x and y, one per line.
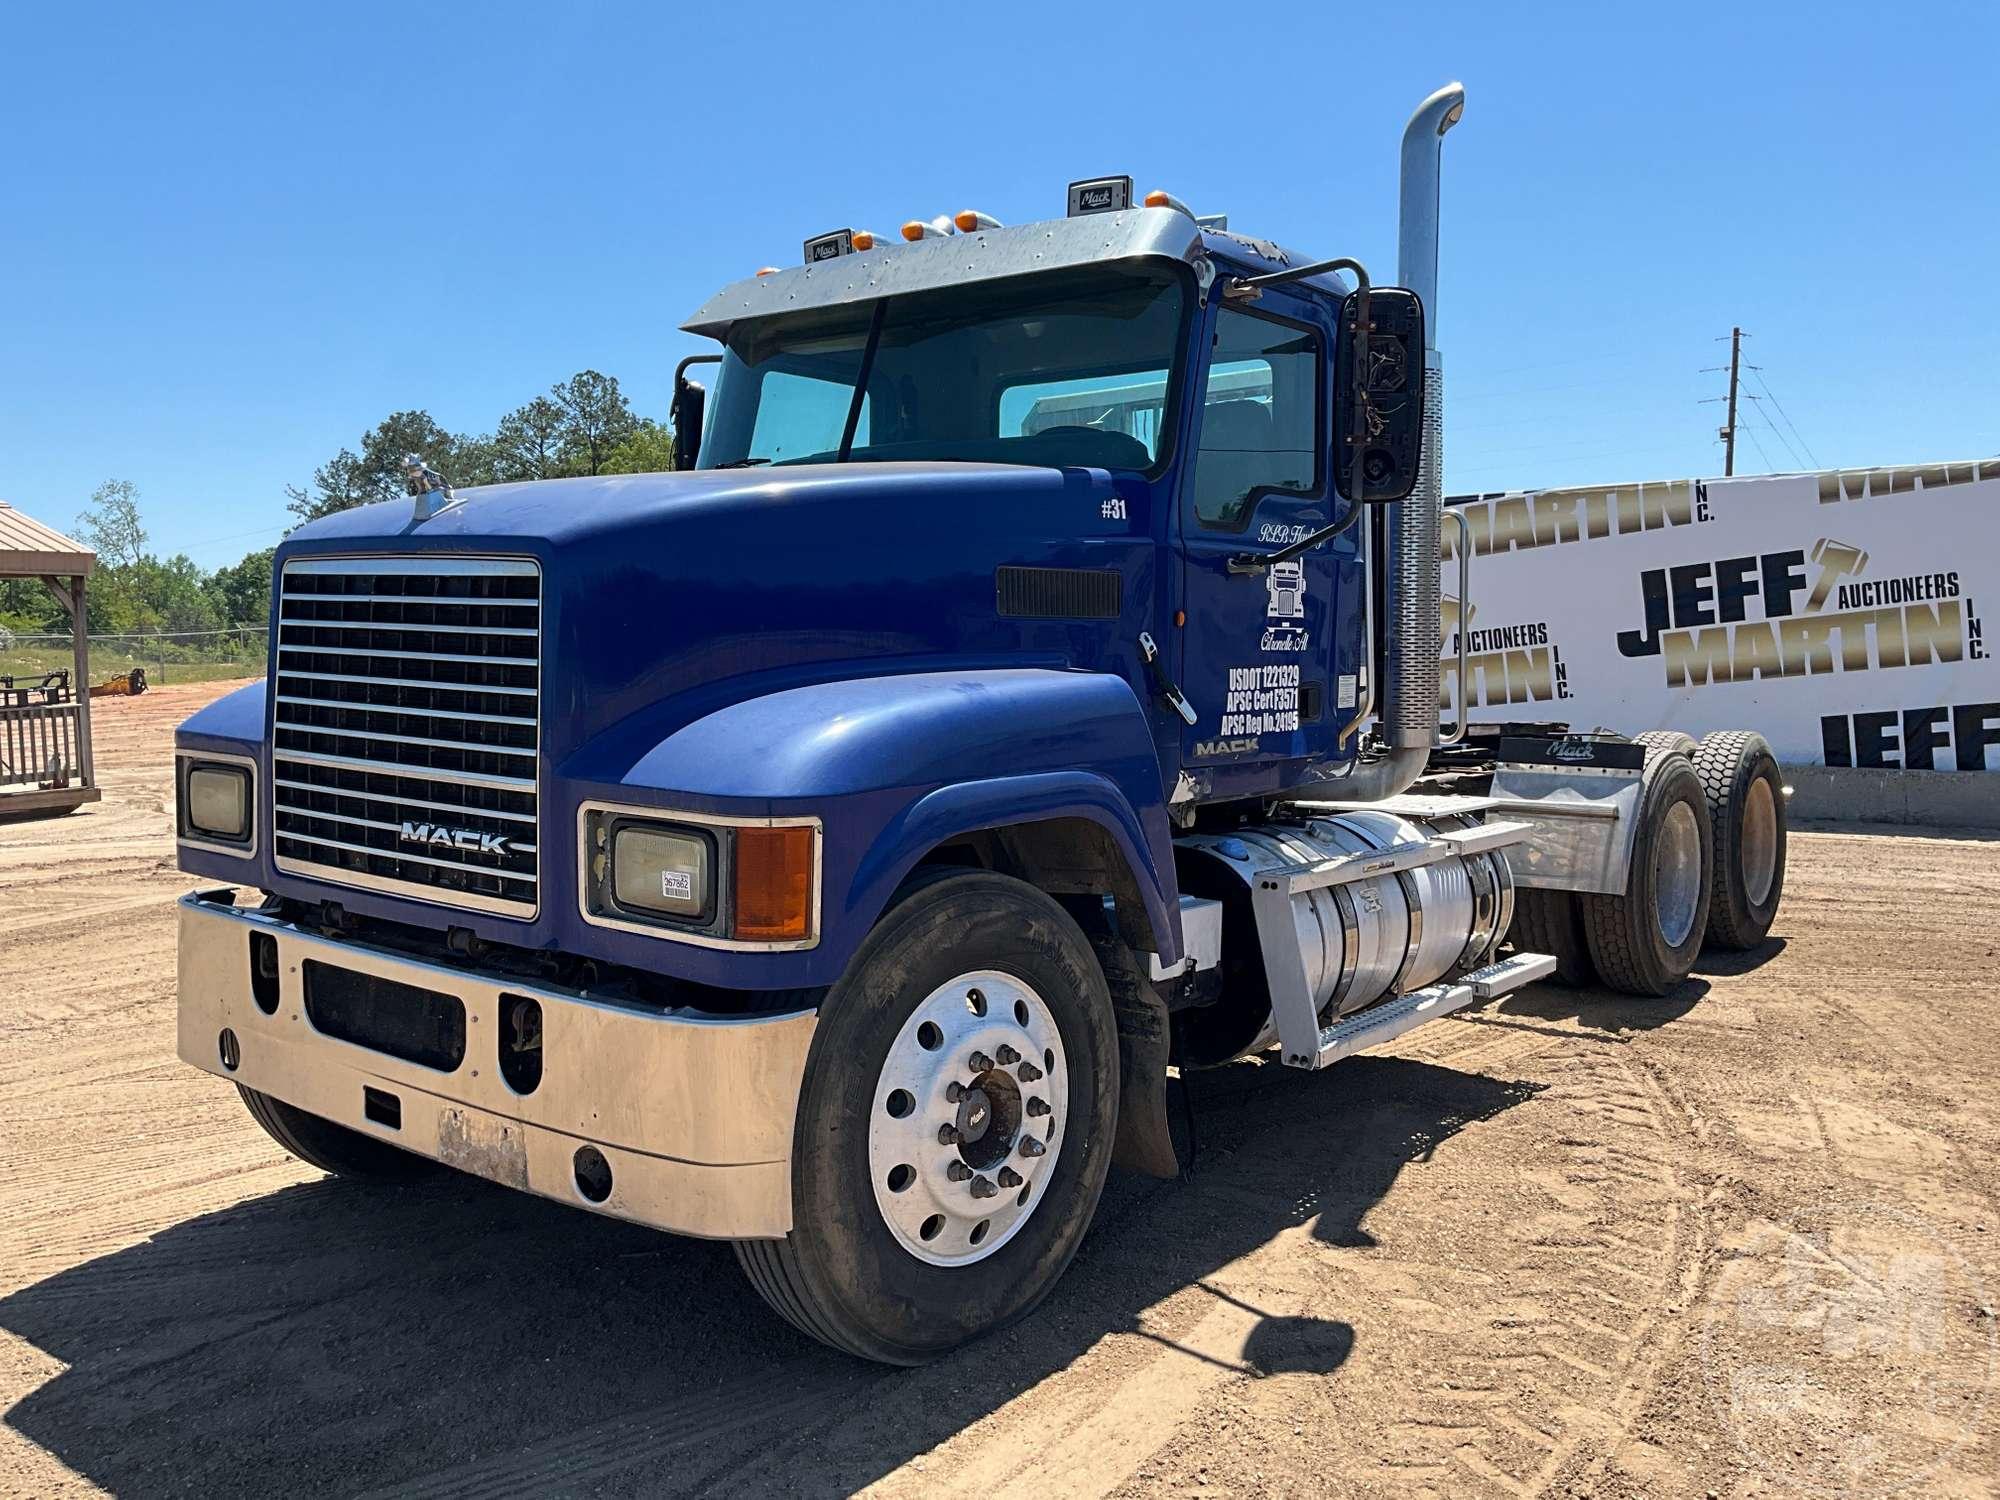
pixel 1708 869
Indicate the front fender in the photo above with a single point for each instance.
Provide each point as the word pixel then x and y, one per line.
pixel 234 722
pixel 974 806
pixel 894 765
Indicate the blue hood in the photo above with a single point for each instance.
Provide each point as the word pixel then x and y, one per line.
pixel 668 596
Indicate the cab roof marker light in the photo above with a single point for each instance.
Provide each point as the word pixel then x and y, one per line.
pixel 767 270
pixel 865 239
pixel 1160 198
pixel 927 229
pixel 970 219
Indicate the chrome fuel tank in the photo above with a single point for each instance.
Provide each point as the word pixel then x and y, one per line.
pixel 1362 940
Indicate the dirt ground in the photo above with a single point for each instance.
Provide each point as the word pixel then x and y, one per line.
pixel 1739 1242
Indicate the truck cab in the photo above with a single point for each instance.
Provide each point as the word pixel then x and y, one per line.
pixel 829 846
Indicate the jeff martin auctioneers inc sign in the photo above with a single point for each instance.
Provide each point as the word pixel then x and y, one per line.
pixel 1840 613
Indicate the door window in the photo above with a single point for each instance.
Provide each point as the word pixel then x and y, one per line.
pixel 1260 425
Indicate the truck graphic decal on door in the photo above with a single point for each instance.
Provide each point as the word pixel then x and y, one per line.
pixel 1285 582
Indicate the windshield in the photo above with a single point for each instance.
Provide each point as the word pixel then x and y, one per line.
pixel 1069 369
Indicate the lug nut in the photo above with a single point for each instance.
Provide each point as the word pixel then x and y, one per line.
pixel 958 1171
pixel 1038 1107
pixel 954 1092
pixel 981 1063
pixel 1031 1147
pixel 1030 1073
pixel 1009 1178
pixel 947 1135
pixel 982 1187
pixel 1008 1057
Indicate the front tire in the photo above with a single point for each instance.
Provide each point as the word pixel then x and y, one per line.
pixel 973 1021
pixel 332 1148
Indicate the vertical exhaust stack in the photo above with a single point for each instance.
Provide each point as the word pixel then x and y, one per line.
pixel 1410 698
pixel 1412 636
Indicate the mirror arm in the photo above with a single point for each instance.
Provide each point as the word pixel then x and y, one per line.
pixel 675 411
pixel 1242 288
pixel 1257 562
pixel 681 369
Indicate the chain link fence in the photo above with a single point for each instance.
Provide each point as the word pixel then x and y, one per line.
pixel 166 656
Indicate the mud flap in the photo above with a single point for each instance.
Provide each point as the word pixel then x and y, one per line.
pixel 1144 1142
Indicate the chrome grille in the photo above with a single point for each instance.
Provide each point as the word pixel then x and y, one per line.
pixel 405 727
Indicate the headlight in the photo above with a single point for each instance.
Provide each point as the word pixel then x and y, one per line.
pixel 218 802
pixel 700 879
pixel 669 871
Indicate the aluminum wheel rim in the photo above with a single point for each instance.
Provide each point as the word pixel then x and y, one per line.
pixel 966 1124
pixel 1759 846
pixel 1677 874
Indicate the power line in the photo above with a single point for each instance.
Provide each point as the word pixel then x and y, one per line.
pixel 1765 386
pixel 1751 433
pixel 1757 405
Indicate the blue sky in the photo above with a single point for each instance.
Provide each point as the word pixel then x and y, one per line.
pixel 233 237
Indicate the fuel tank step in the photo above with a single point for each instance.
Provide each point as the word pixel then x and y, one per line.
pixel 1391 1019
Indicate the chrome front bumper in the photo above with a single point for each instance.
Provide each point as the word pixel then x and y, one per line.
pixel 693 1113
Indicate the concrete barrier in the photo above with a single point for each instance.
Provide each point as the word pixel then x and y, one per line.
pixel 1928 799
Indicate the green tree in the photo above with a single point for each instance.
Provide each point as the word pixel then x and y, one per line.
pixel 112 525
pixel 115 532
pixel 375 473
pixel 27 608
pixel 533 441
pixel 649 450
pixel 169 596
pixel 596 419
pixel 475 460
pixel 241 593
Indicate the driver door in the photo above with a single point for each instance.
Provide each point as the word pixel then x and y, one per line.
pixel 1257 647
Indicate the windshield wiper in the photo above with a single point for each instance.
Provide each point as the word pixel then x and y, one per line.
pixel 743 463
pixel 861 381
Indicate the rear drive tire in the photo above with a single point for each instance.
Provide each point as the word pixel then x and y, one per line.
pixel 1646 940
pixel 1746 814
pixel 330 1147
pixel 887 1258
pixel 1549 922
pixel 1665 742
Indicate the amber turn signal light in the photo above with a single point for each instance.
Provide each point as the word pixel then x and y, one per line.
pixel 774 884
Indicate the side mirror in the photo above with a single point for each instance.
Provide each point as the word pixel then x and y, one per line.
pixel 689 407
pixel 1378 398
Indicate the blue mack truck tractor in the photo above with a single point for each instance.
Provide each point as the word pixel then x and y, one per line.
pixel 1031 684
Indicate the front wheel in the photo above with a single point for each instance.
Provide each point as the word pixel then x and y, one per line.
pixel 954 1127
pixel 330 1147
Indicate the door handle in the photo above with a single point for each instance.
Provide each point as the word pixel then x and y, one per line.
pixel 1163 685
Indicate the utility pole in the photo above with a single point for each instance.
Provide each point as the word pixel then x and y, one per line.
pixel 1729 432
